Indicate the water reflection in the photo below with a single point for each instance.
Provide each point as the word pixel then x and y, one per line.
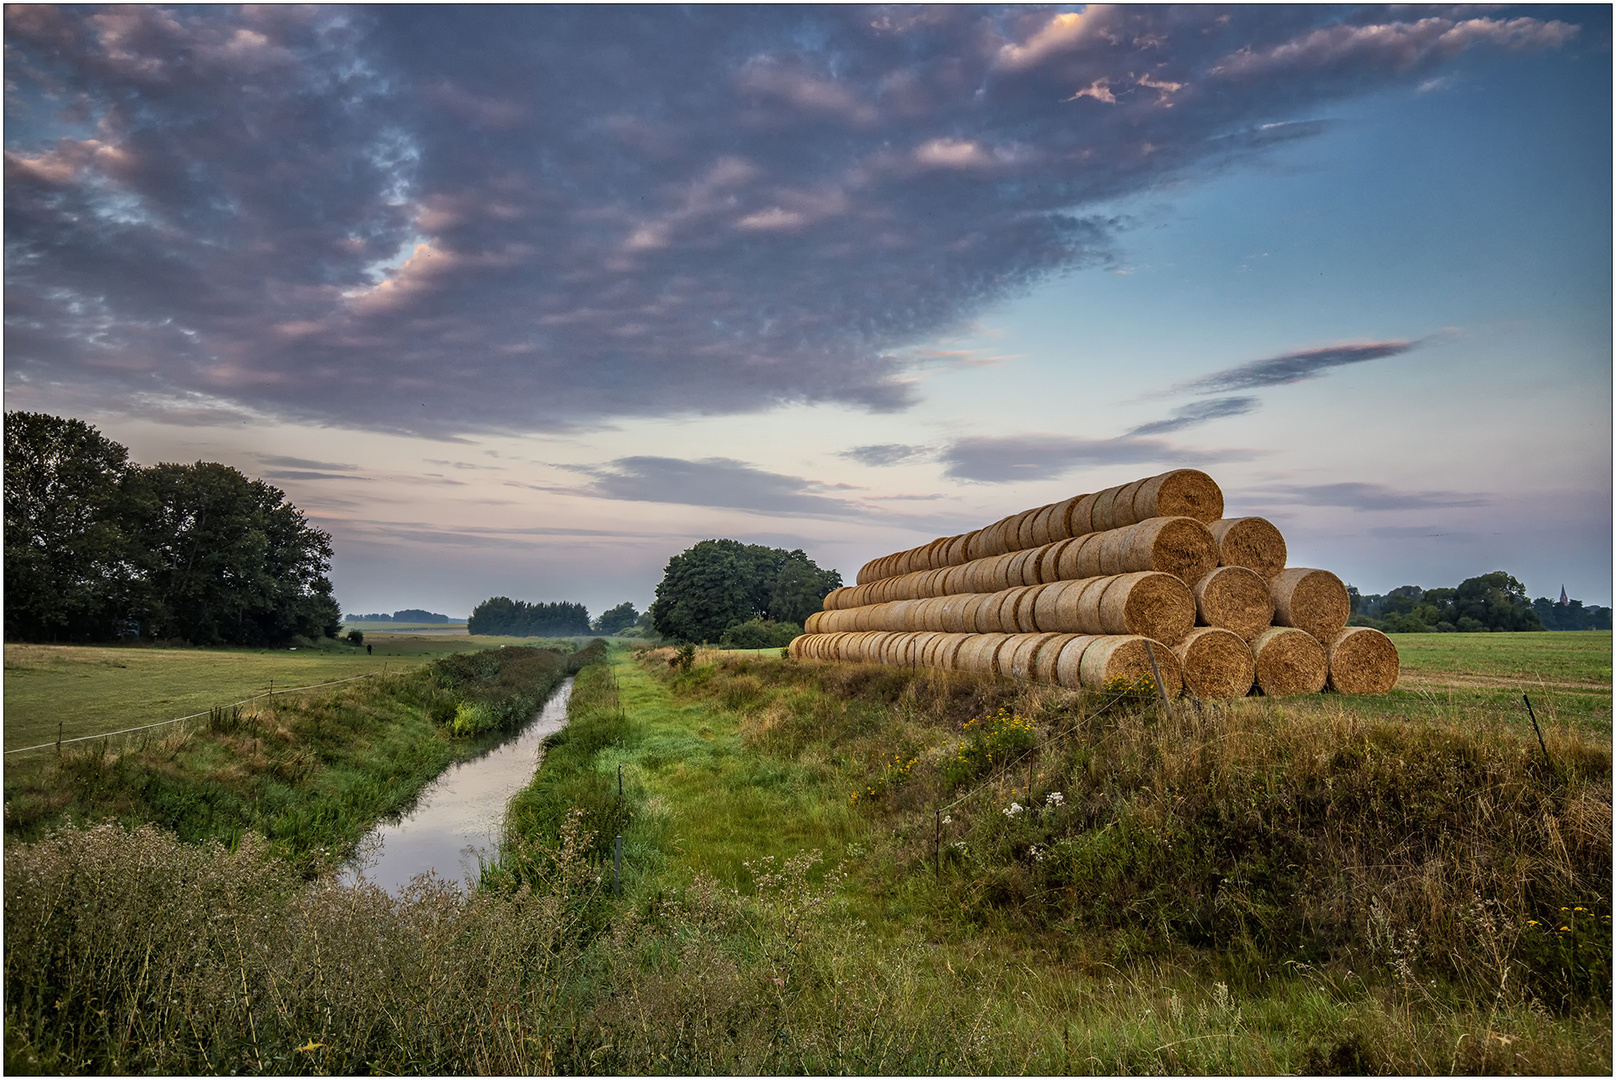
pixel 456 821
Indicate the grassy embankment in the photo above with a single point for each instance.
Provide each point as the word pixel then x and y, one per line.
pixel 1254 887
pixel 310 771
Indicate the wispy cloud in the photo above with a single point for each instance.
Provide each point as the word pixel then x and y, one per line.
pixel 1359 496
pixel 886 454
pixel 717 482
pixel 1001 459
pixel 277 461
pixel 1198 413
pixel 1293 367
pixel 390 217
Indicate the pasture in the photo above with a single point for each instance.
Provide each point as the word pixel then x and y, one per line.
pixel 82 690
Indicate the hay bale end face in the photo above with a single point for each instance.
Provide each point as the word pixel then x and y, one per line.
pixel 1216 663
pixel 1362 660
pixel 1236 599
pixel 1311 600
pixel 1252 542
pixel 1289 661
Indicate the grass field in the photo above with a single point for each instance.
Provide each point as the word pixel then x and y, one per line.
pixel 86 690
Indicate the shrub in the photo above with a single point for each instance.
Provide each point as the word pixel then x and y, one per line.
pixel 760 634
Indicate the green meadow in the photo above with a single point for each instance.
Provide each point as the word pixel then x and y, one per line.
pixel 79 690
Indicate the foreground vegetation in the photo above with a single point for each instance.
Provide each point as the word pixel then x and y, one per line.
pixel 1259 887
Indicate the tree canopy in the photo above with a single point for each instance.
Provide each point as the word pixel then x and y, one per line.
pixel 718 584
pixel 616 619
pixel 97 547
pixel 1489 602
pixel 505 617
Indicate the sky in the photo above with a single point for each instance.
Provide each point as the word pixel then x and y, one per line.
pixel 526 300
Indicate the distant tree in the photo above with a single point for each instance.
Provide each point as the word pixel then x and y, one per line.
pixel 418 615
pixel 500 615
pixel 717 584
pixel 618 618
pixel 1570 616
pixel 1490 602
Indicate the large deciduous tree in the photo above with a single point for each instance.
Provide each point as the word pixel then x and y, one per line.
pixel 233 561
pixel 72 572
pixel 96 546
pixel 718 584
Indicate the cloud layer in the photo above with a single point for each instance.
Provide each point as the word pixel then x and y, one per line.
pixel 449 219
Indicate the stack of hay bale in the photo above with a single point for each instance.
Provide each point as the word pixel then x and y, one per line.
pixel 1141 579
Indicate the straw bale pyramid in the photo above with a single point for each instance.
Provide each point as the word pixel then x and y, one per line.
pixel 1146 579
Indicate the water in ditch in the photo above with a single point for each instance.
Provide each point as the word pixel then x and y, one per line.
pixel 455 824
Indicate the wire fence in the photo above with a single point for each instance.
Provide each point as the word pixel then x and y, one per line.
pixel 192 716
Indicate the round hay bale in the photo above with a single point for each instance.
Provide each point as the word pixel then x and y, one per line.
pixel 1113 545
pixel 1216 663
pixel 1060 519
pixel 1065 558
pixel 1026 607
pixel 1148 603
pixel 1181 546
pixel 953 617
pixel 1048 602
pixel 1127 656
pixel 1289 661
pixel 1043 567
pixel 945 654
pixel 1122 510
pixel 1023 657
pixel 1067 667
pixel 970 656
pixel 1020 529
pixel 1024 566
pixel 1252 542
pixel 1041 525
pixel 1085 606
pixel 1043 664
pixel 810 625
pixel 1101 514
pixel 1311 600
pixel 1085 559
pixel 833 599
pixel 1179 493
pixel 1234 598
pixel 1003 613
pixel 1070 609
pixel 971 613
pixel 1361 660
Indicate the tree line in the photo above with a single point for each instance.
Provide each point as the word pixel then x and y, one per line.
pixel 409 615
pixel 1490 602
pixel 98 547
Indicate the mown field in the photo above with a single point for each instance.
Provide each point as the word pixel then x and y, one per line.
pixel 842 868
pixel 80 690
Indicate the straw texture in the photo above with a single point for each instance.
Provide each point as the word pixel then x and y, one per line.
pixel 1216 663
pixel 1311 600
pixel 1236 599
pixel 1362 660
pixel 1289 661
